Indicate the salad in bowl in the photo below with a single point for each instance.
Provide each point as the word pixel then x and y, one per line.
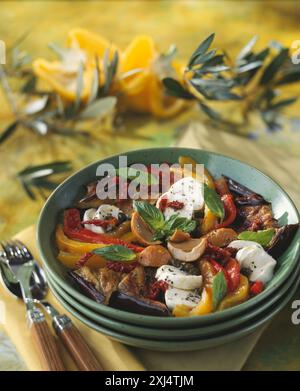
pixel 170 240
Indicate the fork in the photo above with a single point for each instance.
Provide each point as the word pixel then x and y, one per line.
pixel 22 264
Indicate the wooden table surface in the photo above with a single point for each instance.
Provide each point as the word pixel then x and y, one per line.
pixel 182 22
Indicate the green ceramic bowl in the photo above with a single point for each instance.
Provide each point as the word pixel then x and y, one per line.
pixel 178 334
pixel 190 344
pixel 72 188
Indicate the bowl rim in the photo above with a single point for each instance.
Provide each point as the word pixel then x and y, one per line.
pixel 229 323
pixel 215 316
pixel 174 344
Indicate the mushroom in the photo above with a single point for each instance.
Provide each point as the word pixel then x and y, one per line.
pixel 179 236
pixel 188 251
pixel 142 231
pixel 154 256
pixel 221 237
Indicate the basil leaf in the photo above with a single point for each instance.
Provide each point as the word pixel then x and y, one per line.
pixel 219 288
pixel 213 202
pixel 115 253
pixel 262 237
pixel 177 222
pixel 152 215
pixel 144 178
pixel 173 223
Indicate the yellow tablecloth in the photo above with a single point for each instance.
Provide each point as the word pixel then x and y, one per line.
pixel 115 356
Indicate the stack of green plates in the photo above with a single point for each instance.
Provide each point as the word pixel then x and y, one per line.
pixel 174 334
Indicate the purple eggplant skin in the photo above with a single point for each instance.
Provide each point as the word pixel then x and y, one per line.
pixel 87 288
pixel 138 305
pixel 282 240
pixel 244 196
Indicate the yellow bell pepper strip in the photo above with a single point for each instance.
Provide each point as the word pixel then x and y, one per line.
pixel 75 247
pixel 73 229
pixel 240 295
pixel 71 260
pixel 205 306
pixel 181 311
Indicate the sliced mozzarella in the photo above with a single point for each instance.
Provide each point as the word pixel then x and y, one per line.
pixel 244 243
pixel 106 211
pixel 103 212
pixel 177 278
pixel 174 296
pixel 89 214
pixel 252 256
pixel 258 261
pixel 188 191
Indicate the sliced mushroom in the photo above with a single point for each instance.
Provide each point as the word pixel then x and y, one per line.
pixel 179 236
pixel 188 251
pixel 221 237
pixel 142 231
pixel 154 256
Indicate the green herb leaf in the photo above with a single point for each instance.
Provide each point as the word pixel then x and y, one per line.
pixel 219 288
pixel 201 49
pixel 246 50
pixel 8 131
pixel 213 202
pixel 178 222
pixel 174 88
pixel 173 223
pixel 152 215
pixel 35 176
pixel 116 253
pixel 262 237
pixel 274 66
pixel 99 108
pixel 144 178
pixel 210 112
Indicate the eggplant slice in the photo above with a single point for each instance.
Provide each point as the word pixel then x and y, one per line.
pixel 243 195
pixel 137 304
pixel 282 239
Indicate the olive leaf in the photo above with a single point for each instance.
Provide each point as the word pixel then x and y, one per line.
pixel 6 133
pixel 201 49
pixel 99 108
pixel 274 66
pixel 38 176
pixel 174 88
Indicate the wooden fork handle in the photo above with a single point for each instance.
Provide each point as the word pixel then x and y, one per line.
pixel 44 341
pixel 75 344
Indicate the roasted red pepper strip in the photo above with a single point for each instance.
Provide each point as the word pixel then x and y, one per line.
pixel 220 254
pixel 233 270
pixel 256 288
pixel 230 211
pixel 220 268
pixel 74 230
pixel 101 223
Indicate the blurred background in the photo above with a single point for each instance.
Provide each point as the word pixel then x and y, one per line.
pixel 185 23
